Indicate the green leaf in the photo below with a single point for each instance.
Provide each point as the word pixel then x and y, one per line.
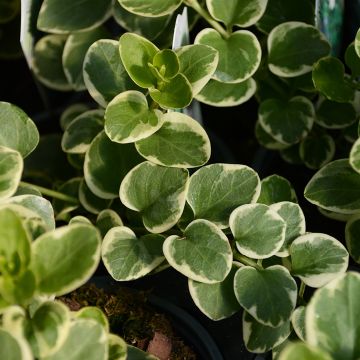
pixel 217 301
pixel 291 155
pixel 48 328
pixel 74 52
pixel 332 318
pixel 13 347
pixel 216 190
pixel 357 43
pixel 60 270
pixel 106 220
pixel 90 201
pixel 243 13
pixel 15 253
pixel 87 339
pixel 298 322
pixel 198 71
pixel 136 354
pixel 203 254
pixel 18 131
pixel 354 159
pixel 113 79
pixel 106 164
pixel 335 187
pixel 294 47
pixel 280 11
pixel 239 55
pixel 117 348
pixel 137 53
pixel 328 78
pixel 162 206
pixel 154 8
pixel 95 313
pixel 68 16
pixel 268 295
pixel 274 189
pixel 287 122
pixel 78 219
pixel 129 119
pixel 149 27
pixel 352 237
pixel 318 258
pixel 317 150
pixel 80 132
pixel 127 257
pixel 70 113
pixel 301 351
pixel 334 115
pixel 173 94
pixel 181 142
pixel 259 338
pixel 352 60
pixel 166 63
pixel 258 230
pixel 38 205
pixel 216 93
pixel 27 189
pixel 11 168
pixel 295 223
pixel 266 140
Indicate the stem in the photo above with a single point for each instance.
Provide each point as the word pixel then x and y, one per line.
pixel 302 290
pixel 276 87
pixel 52 193
pixel 202 12
pixel 246 261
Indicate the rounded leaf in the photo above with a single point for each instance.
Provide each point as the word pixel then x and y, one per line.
pixel 154 8
pixel 259 231
pixel 203 254
pixel 90 201
pixel 157 192
pixel 106 220
pixel 354 159
pixel 318 258
pixel 239 54
pixel 181 142
pixel 301 351
pixel 298 322
pixel 129 119
pixel 352 237
pixel 13 347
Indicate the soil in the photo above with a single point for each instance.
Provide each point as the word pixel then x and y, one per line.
pixel 131 317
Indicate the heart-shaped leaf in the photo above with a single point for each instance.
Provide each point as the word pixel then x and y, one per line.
pixel 127 257
pixel 129 119
pixel 113 79
pixel 137 53
pixel 287 122
pixel 154 8
pixel 106 164
pixel 336 187
pixel 275 189
pixel 81 131
pixel 294 47
pixel 328 77
pixel 106 220
pixel 18 131
pixel 181 142
pixel 352 237
pixel 217 301
pixel 216 190
pixel 59 271
pixel 332 318
pixel 239 55
pixel 47 64
pixel 295 223
pixel 243 13
pixel 259 338
pixel 203 254
pixel 11 168
pixel 66 16
pixel 318 258
pixel 268 295
pixel 74 53
pixel 259 231
pixel 94 313
pixel 198 72
pixel 162 204
pixel 216 93
pixel 316 150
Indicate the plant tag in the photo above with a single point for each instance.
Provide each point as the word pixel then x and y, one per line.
pixel 181 37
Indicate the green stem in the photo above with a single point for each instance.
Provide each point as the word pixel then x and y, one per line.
pixel 302 290
pixel 202 12
pixel 246 261
pixel 52 193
